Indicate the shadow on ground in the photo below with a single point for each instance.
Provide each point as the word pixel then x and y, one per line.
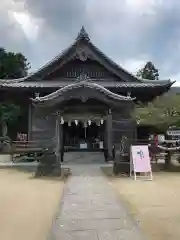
pixel 31 168
pixel 159 167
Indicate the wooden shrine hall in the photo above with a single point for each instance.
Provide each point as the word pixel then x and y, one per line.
pixel 82 100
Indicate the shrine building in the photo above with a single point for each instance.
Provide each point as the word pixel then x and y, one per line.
pixel 81 99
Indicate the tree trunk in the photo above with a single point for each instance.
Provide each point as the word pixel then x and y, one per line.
pixel 4 129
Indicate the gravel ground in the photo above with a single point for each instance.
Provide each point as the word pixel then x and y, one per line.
pixel 155 204
pixel 27 205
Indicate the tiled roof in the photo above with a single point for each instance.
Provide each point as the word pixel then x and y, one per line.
pixel 64 82
pixel 130 81
pixel 83 36
pixel 83 84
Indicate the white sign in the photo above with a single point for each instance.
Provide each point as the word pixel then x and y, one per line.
pixel 83 145
pixel 101 145
pixel 161 138
pixel 140 160
pixel 173 132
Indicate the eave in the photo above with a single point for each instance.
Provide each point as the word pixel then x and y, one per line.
pixel 107 84
pixel 81 85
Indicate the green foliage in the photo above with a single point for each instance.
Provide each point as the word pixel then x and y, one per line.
pixel 148 72
pixel 9 112
pixel 12 65
pixel 162 112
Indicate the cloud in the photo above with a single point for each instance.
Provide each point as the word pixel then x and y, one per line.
pixel 27 23
pixel 131 32
pixel 133 65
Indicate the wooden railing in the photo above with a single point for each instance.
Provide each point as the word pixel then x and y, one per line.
pixel 30 150
pixel 20 146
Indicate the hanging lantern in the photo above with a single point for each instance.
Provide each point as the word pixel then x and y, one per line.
pixel 89 122
pixel 76 122
pixel 85 124
pixel 62 120
pixel 69 123
pixel 102 121
pixel 98 124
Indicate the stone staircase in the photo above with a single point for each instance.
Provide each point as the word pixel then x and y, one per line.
pixel 84 158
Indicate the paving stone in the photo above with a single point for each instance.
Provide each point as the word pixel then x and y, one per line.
pixel 94 224
pixel 98 214
pixel 124 234
pixel 76 235
pixel 90 209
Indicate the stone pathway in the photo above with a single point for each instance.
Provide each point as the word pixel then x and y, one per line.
pixel 91 210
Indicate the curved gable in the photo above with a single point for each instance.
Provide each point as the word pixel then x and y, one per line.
pixel 81 90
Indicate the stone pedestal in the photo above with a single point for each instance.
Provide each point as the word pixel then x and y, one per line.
pixel 122 165
pixel 48 166
pixel 5 158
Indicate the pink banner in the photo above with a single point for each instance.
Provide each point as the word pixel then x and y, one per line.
pixel 140 158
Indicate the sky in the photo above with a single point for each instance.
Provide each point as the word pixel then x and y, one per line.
pixel 131 32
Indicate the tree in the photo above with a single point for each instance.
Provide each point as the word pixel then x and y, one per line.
pixel 9 113
pixel 148 72
pixel 12 65
pixel 162 113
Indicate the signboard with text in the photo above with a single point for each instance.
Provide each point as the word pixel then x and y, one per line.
pixel 140 160
pixel 173 132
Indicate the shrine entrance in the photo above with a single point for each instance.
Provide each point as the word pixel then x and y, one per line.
pixel 83 125
pixel 83 116
pixel 84 135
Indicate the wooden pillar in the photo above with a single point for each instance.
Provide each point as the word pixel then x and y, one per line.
pixel 105 142
pixel 29 121
pixel 109 134
pixel 58 141
pixel 61 142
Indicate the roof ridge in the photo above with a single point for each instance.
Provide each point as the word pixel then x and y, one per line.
pixel 83 35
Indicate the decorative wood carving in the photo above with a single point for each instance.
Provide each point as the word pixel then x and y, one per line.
pixel 82 78
pixel 37 94
pixel 81 54
pixel 128 94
